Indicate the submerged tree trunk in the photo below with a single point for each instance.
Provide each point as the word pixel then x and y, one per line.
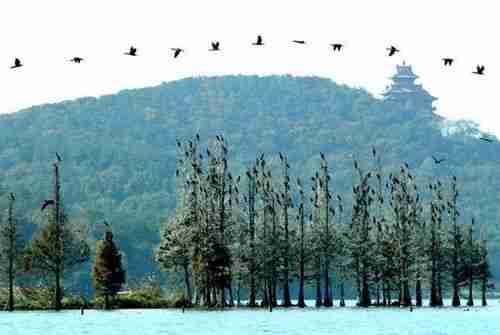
pixel 418 293
pixel 106 302
pixel 342 301
pixel 483 291
pixel 319 300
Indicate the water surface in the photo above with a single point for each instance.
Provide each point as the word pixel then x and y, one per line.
pixel 345 321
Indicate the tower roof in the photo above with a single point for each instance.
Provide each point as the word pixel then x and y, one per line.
pixel 403 86
pixel 404 72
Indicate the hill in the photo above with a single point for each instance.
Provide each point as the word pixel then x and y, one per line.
pixel 119 150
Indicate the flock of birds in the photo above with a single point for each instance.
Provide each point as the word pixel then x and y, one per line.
pixel 215 46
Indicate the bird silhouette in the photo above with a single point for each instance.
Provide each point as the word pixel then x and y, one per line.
pixel 215 46
pixel 77 60
pixel 17 63
pixel 489 140
pixel 132 51
pixel 177 51
pixel 12 197
pixel 392 50
pixel 438 161
pixel 46 203
pixel 337 46
pixel 479 70
pixel 299 41
pixel 448 61
pixel 59 159
pixel 259 41
pixel 322 155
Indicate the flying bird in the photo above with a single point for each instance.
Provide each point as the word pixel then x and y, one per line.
pixel 59 159
pixel 448 61
pixel 77 60
pixel 259 41
pixel 177 51
pixel 489 140
pixel 215 46
pixel 392 50
pixel 46 203
pixel 438 161
pixel 299 41
pixel 132 52
pixel 337 46
pixel 17 63
pixel 479 70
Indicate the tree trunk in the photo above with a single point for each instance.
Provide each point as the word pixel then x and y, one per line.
pixel 106 302
pixel 440 289
pixel 187 283
pixel 418 293
pixel 470 301
pixel 483 291
pixel 12 254
pixel 301 301
pixel 319 300
pixel 342 301
pixel 58 296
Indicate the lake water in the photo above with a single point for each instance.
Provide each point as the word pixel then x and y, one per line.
pixel 345 321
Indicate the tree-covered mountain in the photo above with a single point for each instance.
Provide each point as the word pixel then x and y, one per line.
pixel 119 151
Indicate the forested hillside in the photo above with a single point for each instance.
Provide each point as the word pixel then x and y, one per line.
pixel 119 150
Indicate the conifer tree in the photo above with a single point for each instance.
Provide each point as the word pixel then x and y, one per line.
pixel 11 245
pixel 108 274
pixel 60 245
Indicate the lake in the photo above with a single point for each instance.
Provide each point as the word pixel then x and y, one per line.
pixel 344 321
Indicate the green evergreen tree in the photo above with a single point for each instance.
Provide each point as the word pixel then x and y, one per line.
pixel 108 273
pixel 60 245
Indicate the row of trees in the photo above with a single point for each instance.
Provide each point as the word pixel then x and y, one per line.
pixel 256 234
pixel 57 248
pixel 249 237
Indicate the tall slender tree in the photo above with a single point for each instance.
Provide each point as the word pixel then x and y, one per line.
pixel 60 245
pixel 11 245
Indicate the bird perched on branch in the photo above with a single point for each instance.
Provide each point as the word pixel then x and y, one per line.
pixel 46 203
pixel 12 197
pixel 259 41
pixel 59 159
pixel 17 64
pixel 479 70
pixel 215 46
pixel 131 52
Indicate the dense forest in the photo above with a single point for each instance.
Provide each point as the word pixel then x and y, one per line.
pixel 119 151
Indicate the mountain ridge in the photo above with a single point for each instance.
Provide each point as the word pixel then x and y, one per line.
pixel 119 150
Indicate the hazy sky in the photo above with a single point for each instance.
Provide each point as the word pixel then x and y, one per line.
pixel 45 34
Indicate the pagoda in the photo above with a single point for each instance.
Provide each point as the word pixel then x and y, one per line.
pixel 406 92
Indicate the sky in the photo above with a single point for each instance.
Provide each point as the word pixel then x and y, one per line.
pixel 46 34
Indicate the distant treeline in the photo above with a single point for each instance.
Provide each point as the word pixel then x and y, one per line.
pixel 236 239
